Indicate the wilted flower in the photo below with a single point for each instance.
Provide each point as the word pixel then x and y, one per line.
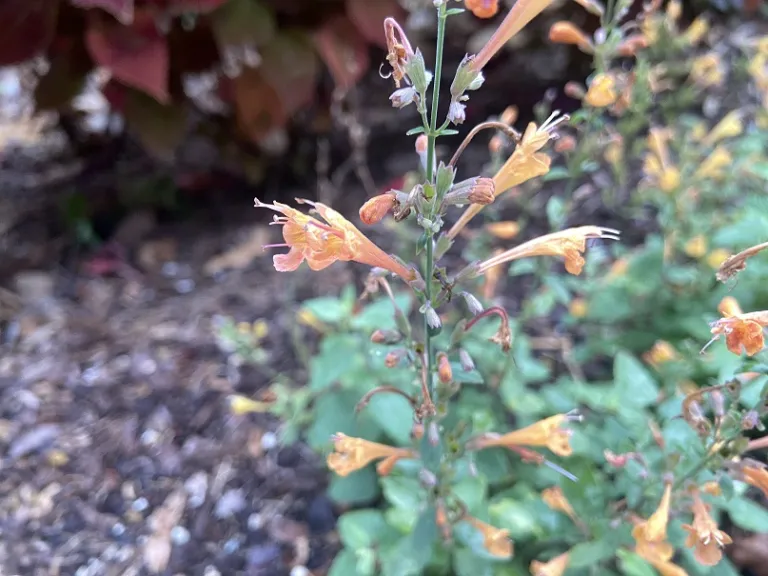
pixel 482 8
pixel 658 167
pixel 661 352
pixel 578 308
pixel 521 13
pixel 524 163
pixel 602 91
pixel 322 244
pixel 715 164
pixel 376 208
pixel 444 371
pixel 554 567
pixel 548 433
pixel 730 126
pixel 708 70
pixel 632 44
pixel 704 536
pixel 457 112
pixel 399 50
pixel 742 331
pixel 654 529
pixel 568 33
pixel 556 500
pixel 569 244
pixel 351 454
pixel 495 540
pixel 402 97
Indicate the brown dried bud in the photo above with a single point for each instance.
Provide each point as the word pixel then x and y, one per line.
pixel 631 44
pixel 377 207
pixel 574 90
pixel 392 359
pixel 565 144
pixel 483 192
pixel 386 337
pixel 509 116
pixel 417 431
pixel 444 371
pixel 717 400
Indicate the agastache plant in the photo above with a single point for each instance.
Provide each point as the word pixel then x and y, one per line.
pixel 437 446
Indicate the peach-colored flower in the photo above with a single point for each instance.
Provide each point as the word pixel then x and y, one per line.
pixel 505 230
pixel 554 567
pixel 351 454
pixel 661 352
pixel 547 433
pixel 742 330
pixel 657 167
pixel 322 244
pixel 495 540
pixel 564 32
pixel 569 244
pixel 524 163
pixel 704 536
pixel 714 166
pixel 654 529
pixel 602 91
pixel 521 13
pixel 757 477
pixel 729 306
pixel 556 500
pixel 708 70
pixel 376 208
pixel 632 44
pixel 482 8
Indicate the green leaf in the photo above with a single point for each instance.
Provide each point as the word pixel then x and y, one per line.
pixel 345 564
pixel 339 354
pixel 402 492
pixel 466 563
pixel 381 313
pixel 556 212
pixel 748 515
pixel 472 492
pixel 413 552
pixel 361 487
pixel 335 412
pixel 515 516
pixel 463 377
pixel 633 565
pixel 413 131
pixel 590 553
pixel 364 529
pixel 394 415
pixel 556 173
pixel 633 384
pixel 452 11
pixel 327 309
pixel 448 132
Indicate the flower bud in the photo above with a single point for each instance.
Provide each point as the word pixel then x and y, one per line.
pixel 433 433
pixel 616 460
pixel 568 33
pixel 750 421
pixel 467 78
pixel 482 8
pixel 483 192
pixel 433 320
pixel 444 371
pixel 401 97
pixel 473 304
pixel 565 143
pixel 457 112
pixel 376 208
pixel 574 90
pixel 386 337
pixel 509 115
pixel 427 479
pixel 417 431
pixel 467 364
pixel 392 359
pixel 632 44
pixel 417 72
pixel 445 177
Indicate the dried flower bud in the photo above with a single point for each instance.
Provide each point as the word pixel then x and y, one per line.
pixel 417 431
pixel 467 364
pixel 483 192
pixel 392 359
pixel 574 90
pixel 466 78
pixel 444 371
pixel 751 420
pixel 433 433
pixel 427 478
pixel 402 97
pixel 473 304
pixel 457 112
pixel 386 337
pixel 616 460
pixel 509 115
pixel 565 143
pixel 376 208
pixel 717 401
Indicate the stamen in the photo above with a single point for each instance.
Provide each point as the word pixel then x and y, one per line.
pixel 325 228
pixel 560 470
pixel 275 246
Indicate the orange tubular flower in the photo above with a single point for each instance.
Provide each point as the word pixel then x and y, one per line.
pixel 495 540
pixel 602 91
pixel 661 352
pixel 757 477
pixel 658 167
pixel 524 163
pixel 568 244
pixel 568 33
pixel 742 330
pixel 650 539
pixel 521 13
pixel 729 306
pixel 556 500
pixel 714 166
pixel 555 567
pixel 322 244
pixel 376 208
pixel 704 535
pixel 547 433
pixel 352 454
pixel 482 8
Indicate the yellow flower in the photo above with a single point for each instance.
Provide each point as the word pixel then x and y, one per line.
pixel 654 529
pixel 578 308
pixel 696 31
pixel 351 454
pixel 704 536
pixel 322 244
pixel 260 329
pixel 757 477
pixel 306 317
pixel 521 13
pixel 569 244
pixel 661 352
pixel 619 268
pixel 712 488
pixel 715 164
pixel 524 163
pixel 657 165
pixel 495 540
pixel 555 567
pixel 482 8
pixel 602 91
pixel 742 331
pixel 239 405
pixel 729 306
pixel 547 433
pixel 708 70
pixel 730 126
pixel 563 32
pixel 556 500
pixel 505 230
pixel 696 247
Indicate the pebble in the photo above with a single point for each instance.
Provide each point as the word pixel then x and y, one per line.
pixel 211 571
pixel 184 286
pixel 118 529
pixel 268 440
pixel 259 556
pixel 140 504
pixel 230 503
pixel 197 488
pixel 179 535
pixel 255 522
pixel 300 571
pixel 33 440
pixel 231 546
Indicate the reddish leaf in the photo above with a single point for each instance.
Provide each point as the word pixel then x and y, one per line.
pixel 69 65
pixel 115 94
pixel 289 64
pixel 196 6
pixel 343 50
pixel 243 22
pixel 369 15
pixel 192 50
pixel 28 26
pixel 160 128
pixel 136 56
pixel 120 9
pixel 257 105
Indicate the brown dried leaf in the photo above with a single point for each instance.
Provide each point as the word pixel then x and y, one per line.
pixel 343 50
pixel 368 16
